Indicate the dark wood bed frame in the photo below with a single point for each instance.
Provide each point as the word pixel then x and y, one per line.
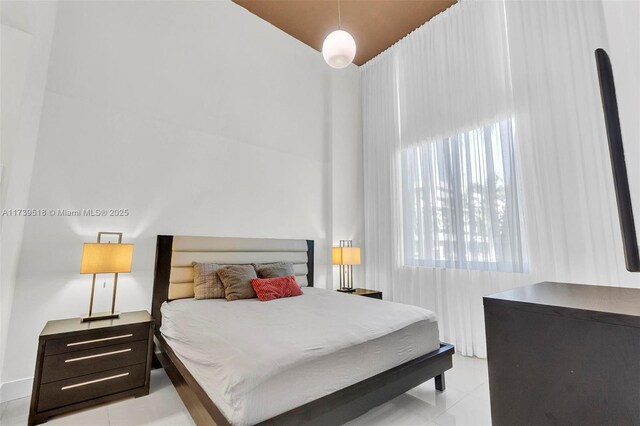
pixel 336 408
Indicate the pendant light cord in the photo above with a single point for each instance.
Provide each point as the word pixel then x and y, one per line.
pixel 339 17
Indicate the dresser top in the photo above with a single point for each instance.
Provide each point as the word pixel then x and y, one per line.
pixel 595 298
pixel 72 325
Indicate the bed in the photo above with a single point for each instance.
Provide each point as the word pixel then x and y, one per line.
pixel 321 358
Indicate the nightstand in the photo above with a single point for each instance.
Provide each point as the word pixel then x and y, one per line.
pixel 84 364
pixel 374 294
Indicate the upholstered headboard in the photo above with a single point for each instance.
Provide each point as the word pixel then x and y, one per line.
pixel 173 277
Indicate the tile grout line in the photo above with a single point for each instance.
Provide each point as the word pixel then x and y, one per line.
pixel 466 394
pixel 449 408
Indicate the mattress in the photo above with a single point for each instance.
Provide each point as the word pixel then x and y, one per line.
pixel 258 359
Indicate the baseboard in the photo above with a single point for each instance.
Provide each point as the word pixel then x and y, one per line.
pixel 15 389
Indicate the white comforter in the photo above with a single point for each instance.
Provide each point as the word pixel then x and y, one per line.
pixel 243 343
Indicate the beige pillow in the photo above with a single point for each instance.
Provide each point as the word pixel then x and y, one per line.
pixel 274 270
pixel 206 283
pixel 237 281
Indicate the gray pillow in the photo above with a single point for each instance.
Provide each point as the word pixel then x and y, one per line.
pixel 206 283
pixel 237 281
pixel 274 270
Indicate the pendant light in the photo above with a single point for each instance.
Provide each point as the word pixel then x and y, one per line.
pixel 339 48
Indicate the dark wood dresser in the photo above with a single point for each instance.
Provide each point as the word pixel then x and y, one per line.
pixel 83 364
pixel 564 354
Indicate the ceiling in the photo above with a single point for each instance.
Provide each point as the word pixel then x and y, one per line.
pixel 375 24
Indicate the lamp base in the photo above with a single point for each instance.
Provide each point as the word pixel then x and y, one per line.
pixel 347 290
pixel 100 316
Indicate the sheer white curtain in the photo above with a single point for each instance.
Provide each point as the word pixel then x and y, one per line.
pixel 461 202
pixel 381 133
pixel 575 233
pixel 477 65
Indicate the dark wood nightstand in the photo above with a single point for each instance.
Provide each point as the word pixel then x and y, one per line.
pixel 374 294
pixel 83 364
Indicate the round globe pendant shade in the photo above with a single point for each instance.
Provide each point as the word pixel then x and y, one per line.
pixel 339 49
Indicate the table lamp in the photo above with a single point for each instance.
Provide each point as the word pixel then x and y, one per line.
pixel 345 256
pixel 105 258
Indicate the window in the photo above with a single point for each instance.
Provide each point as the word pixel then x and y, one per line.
pixel 461 206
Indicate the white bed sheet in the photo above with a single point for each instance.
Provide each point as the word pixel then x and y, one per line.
pixel 258 359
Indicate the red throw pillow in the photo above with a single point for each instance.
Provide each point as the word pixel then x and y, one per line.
pixel 275 288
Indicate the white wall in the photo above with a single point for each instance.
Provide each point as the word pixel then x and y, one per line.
pixel 200 119
pixel 25 42
pixel 347 175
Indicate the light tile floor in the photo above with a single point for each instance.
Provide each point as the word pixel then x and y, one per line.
pixel 465 402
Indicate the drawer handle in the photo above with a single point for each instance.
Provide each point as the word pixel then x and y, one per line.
pixel 97 355
pixel 94 381
pixel 86 342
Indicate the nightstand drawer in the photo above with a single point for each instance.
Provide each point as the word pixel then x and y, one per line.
pixel 98 339
pixel 80 363
pixel 70 391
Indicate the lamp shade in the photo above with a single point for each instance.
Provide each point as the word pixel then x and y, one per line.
pixel 101 258
pixel 346 255
pixel 339 49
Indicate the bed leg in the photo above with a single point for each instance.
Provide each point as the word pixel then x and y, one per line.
pixel 440 382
